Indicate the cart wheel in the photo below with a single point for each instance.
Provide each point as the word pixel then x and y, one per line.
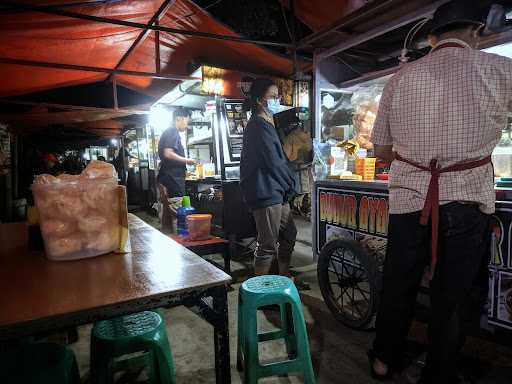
pixel 349 282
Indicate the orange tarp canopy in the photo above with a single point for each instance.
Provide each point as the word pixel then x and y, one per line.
pixel 42 37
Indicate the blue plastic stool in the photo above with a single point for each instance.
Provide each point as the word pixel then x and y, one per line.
pixel 140 332
pixel 266 291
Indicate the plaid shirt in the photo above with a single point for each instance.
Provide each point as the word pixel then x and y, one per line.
pixel 451 105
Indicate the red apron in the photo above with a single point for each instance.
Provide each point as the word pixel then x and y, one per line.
pixel 431 207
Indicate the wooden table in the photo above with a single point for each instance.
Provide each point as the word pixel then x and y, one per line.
pixel 39 295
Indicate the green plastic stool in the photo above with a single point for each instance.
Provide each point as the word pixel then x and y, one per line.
pixel 266 291
pixel 39 363
pixel 142 333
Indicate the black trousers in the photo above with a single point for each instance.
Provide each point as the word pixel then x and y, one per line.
pixel 464 237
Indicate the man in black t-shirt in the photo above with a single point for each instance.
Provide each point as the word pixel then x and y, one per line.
pixel 172 155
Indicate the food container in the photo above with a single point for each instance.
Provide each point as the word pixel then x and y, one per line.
pixel 79 214
pixel 382 176
pixel 199 226
pixel 209 169
pixel 200 171
pixel 338 161
pixel 365 167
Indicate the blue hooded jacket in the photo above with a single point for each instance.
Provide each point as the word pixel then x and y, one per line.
pixel 265 178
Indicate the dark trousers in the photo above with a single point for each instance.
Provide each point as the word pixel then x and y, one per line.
pixel 463 248
pixel 175 185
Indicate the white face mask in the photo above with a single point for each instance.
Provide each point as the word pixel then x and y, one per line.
pixel 274 105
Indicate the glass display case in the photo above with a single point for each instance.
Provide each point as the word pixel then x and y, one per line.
pixel 349 114
pixel 343 148
pixel 502 154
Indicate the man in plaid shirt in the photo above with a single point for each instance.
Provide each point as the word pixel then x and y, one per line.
pixel 439 119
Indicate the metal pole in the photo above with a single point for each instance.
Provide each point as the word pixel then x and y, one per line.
pixel 204 35
pixel 142 36
pixel 317 100
pixel 222 134
pixel 294 40
pixel 157 50
pixel 124 176
pixel 45 64
pixel 114 90
pixel 140 168
pixel 76 107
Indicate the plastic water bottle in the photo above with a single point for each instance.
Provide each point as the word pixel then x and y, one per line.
pixel 181 215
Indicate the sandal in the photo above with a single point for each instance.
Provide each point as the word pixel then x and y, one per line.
pixel 301 285
pixel 388 376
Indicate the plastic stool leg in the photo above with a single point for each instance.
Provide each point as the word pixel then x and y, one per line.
pixel 288 329
pixel 240 333
pixel 250 346
pixel 301 335
pixel 162 360
pixel 74 372
pixel 100 363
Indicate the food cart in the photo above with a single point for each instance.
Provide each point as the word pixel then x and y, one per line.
pixel 351 216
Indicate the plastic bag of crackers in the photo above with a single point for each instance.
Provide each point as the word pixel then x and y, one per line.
pixel 81 215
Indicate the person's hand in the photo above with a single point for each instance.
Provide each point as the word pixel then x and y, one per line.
pixel 190 161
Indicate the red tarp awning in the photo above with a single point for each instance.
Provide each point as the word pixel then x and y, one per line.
pixel 42 37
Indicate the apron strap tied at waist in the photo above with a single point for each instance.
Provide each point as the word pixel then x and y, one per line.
pixel 431 207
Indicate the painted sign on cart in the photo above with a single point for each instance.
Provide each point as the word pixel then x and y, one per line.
pixel 504 303
pixel 500 284
pixel 355 211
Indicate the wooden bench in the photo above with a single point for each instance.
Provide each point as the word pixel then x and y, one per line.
pixel 208 247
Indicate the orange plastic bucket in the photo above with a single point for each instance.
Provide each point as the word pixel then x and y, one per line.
pixel 199 226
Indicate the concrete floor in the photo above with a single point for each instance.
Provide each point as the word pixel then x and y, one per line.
pixel 338 353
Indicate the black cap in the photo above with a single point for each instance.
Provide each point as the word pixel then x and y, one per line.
pixel 459 12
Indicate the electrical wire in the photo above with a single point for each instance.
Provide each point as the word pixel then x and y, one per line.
pixel 414 30
pixel 212 5
pixel 410 37
pixel 286 22
pixel 204 9
pixel 417 30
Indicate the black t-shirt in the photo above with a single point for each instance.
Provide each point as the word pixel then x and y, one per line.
pixel 170 169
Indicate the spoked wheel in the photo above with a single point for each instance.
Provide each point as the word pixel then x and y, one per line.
pixel 349 281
